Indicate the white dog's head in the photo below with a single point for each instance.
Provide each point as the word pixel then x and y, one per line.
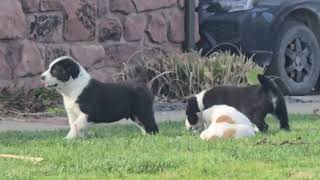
pixel 62 72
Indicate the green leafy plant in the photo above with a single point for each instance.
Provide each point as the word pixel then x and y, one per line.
pixel 252 75
pixel 56 111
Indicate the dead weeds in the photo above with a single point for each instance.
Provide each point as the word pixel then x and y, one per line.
pixel 297 141
pixel 177 76
pixel 19 102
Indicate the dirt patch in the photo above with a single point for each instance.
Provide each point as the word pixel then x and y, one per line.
pixel 297 141
pixel 302 175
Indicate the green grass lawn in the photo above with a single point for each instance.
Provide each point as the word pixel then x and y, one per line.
pixel 121 152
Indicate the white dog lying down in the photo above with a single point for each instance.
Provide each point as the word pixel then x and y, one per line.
pixel 222 121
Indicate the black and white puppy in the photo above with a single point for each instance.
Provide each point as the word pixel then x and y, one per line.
pixel 88 100
pixel 253 101
pixel 222 121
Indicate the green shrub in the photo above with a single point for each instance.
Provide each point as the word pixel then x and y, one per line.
pixel 180 75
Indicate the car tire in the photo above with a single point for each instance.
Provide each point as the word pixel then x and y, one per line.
pixel 296 58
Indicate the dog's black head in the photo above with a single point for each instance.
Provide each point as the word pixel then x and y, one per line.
pixel 65 69
pixel 191 110
pixel 60 71
pixel 193 122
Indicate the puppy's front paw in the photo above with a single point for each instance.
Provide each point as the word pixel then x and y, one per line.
pixel 207 135
pixel 71 135
pixel 256 129
pixel 204 135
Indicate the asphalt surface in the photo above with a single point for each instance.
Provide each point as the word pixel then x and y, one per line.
pixel 164 112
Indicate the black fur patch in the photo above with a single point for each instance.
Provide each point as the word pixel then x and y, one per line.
pixel 191 110
pixel 65 69
pixel 109 102
pixel 253 101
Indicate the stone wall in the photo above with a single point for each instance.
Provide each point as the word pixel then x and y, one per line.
pixel 100 34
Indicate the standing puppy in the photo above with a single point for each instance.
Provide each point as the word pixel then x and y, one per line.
pixel 222 121
pixel 253 101
pixel 88 100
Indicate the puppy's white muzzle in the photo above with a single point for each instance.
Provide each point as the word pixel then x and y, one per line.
pixel 45 80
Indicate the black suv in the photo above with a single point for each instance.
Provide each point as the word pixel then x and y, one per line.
pixel 282 35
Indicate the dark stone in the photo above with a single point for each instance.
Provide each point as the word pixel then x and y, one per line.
pixel 87 16
pixel 110 29
pixel 45 27
pixel 80 21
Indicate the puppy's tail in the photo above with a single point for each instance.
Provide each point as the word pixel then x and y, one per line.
pixel 276 98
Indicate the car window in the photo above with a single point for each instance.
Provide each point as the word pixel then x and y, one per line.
pixel 232 5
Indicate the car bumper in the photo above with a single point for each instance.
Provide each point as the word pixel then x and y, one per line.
pixel 249 30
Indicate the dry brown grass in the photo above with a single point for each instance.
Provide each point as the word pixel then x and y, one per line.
pixel 180 75
pixel 17 101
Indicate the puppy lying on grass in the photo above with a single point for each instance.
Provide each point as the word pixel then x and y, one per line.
pixel 255 102
pixel 222 121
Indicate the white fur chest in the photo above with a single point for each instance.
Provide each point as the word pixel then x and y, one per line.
pixel 71 106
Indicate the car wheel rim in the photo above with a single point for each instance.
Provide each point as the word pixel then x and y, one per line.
pixel 298 60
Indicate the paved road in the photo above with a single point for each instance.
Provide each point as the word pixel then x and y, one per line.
pixel 300 105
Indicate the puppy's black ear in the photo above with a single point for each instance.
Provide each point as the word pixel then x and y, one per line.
pixel 192 105
pixel 192 109
pixel 72 68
